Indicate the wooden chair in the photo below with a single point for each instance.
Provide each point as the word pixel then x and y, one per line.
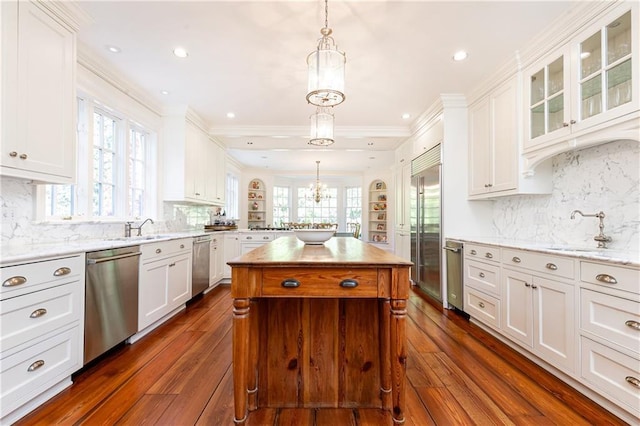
pixel 296 225
pixel 354 228
pixel 325 226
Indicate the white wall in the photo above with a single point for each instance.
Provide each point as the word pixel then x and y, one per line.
pixel 601 178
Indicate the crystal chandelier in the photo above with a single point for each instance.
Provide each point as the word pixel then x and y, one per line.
pixel 326 69
pixel 322 127
pixel 319 190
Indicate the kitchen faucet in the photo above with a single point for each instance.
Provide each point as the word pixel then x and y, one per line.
pixel 128 227
pixel 600 238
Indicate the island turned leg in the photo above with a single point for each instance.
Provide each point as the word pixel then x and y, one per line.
pixel 254 351
pixel 385 353
pixel 241 319
pixel 398 357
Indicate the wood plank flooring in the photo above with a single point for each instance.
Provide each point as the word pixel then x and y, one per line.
pixel 181 375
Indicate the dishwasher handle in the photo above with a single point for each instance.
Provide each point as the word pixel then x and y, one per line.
pixel 201 241
pixel 109 259
pixel 453 249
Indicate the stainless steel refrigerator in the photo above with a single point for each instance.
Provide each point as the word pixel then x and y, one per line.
pixel 426 239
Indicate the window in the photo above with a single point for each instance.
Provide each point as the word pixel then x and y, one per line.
pixel 281 207
pixel 353 204
pixel 115 179
pixel 326 211
pixel 233 196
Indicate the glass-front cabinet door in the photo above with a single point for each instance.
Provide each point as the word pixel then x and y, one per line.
pixel 587 82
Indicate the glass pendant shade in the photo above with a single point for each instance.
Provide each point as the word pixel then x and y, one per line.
pixel 322 127
pixel 326 74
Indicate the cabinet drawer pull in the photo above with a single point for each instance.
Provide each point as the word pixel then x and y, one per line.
pixel 61 271
pixel 633 324
pixel 551 266
pixel 13 154
pixel 23 156
pixel 488 255
pixel 527 285
pixel 607 279
pixel 481 305
pixel 633 381
pixel 348 283
pixel 249 238
pixel 473 252
pixel 265 237
pixel 172 264
pixel 38 313
pixel 481 274
pixel 181 246
pixel 37 364
pixel 158 251
pixel 533 286
pixel 516 259
pixel 290 283
pixel 13 281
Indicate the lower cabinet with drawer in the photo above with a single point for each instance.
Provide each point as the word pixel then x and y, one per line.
pixel 481 279
pixel 165 280
pixel 610 332
pixel 41 317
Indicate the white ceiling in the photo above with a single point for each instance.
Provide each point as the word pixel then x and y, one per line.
pixel 250 58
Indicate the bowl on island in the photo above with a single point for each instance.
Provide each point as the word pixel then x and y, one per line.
pixel 314 236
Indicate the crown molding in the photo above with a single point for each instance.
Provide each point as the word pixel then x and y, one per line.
pixel 68 11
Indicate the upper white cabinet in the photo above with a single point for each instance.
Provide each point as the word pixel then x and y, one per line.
pixel 38 93
pixel 194 164
pixel 585 92
pixel 494 147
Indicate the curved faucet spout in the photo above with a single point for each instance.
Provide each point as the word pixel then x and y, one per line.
pixel 573 214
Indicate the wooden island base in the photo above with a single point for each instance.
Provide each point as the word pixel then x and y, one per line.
pixel 312 334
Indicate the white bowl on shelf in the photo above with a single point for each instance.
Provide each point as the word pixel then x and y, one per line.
pixel 314 236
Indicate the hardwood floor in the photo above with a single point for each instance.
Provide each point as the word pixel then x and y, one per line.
pixel 181 375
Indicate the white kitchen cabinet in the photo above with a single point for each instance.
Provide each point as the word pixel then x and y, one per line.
pixel 216 261
pixel 42 326
pixel 494 147
pixel 191 162
pixel 231 250
pixel 219 183
pixel 165 279
pixel 38 93
pixel 254 239
pixel 481 281
pixel 584 89
pixel 539 313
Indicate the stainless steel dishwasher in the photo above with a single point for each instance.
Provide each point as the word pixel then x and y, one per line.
pixel 200 274
pixel 111 299
pixel 454 273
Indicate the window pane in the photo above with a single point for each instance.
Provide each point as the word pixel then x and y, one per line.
pixel 232 195
pixel 281 213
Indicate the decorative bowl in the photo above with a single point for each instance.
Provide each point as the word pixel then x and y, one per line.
pixel 314 236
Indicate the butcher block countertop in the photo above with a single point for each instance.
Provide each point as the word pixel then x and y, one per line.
pixel 319 326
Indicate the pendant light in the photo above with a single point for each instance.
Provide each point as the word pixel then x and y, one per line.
pixel 326 69
pixel 322 127
pixel 319 190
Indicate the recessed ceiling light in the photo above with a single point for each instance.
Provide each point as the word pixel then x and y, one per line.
pixel 164 92
pixel 180 52
pixel 460 55
pixel 585 55
pixel 406 116
pixel 231 115
pixel 113 49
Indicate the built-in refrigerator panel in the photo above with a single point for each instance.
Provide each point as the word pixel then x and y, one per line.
pixel 426 239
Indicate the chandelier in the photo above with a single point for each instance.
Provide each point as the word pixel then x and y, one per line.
pixel 319 190
pixel 326 69
pixel 322 127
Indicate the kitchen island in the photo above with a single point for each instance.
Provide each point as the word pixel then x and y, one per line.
pixel 319 326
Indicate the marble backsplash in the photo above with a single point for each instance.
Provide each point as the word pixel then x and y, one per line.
pixel 601 178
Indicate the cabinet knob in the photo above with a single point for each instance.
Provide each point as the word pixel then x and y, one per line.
pixel 481 274
pixel 197 193
pixel 633 324
pixel 481 305
pixel 533 286
pixel 516 259
pixel 61 271
pixel 38 313
pixel 13 154
pixel 607 279
pixel 181 246
pixel 172 264
pixel 488 255
pixel 37 364
pixel 23 156
pixel 473 252
pixel 265 237
pixel 551 266
pixel 573 122
pixel 633 381
pixel 489 185
pixel 13 281
pixel 158 251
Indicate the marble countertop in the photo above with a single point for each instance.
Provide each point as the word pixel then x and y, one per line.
pixel 628 258
pixel 13 254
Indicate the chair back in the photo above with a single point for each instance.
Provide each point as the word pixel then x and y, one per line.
pixel 298 225
pixel 354 228
pixel 325 226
